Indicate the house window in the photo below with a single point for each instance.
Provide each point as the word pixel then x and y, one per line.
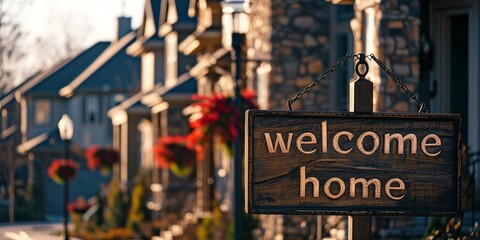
pixel 42 112
pixel 92 110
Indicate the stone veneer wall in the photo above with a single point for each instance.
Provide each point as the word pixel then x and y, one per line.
pixel 399 48
pixel 399 38
pixel 294 34
pixel 299 47
pixel 259 47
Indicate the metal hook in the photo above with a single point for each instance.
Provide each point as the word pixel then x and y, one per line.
pixel 422 108
pixel 361 60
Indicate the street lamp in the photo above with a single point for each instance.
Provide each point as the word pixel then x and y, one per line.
pixel 65 127
pixel 235 21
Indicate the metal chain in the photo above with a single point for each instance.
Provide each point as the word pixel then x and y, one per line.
pixel 422 107
pixel 324 75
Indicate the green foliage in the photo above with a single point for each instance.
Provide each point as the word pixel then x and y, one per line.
pixel 138 211
pixel 214 227
pixel 250 223
pixel 449 228
pixel 35 201
pixel 221 226
pixel 116 205
pixel 28 204
pixel 205 230
pixel 21 213
pixel 98 216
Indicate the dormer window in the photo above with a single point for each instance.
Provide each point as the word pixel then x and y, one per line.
pixel 42 112
pixel 92 110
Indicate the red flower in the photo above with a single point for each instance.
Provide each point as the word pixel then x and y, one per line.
pixel 93 162
pixel 219 116
pixel 103 158
pixel 174 153
pixel 61 170
pixel 79 206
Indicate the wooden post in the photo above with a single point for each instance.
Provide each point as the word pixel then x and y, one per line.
pixel 359 227
pixel 237 41
pixel 319 227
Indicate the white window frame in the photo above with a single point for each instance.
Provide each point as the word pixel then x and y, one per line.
pixel 47 114
pixel 89 103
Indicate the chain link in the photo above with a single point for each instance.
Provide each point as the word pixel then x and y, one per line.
pixel 324 75
pixel 421 105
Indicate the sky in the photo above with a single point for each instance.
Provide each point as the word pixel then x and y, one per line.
pixel 89 21
pixel 42 17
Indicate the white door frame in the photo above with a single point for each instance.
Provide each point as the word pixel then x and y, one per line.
pixel 441 11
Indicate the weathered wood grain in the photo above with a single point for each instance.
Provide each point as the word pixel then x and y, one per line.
pixel 273 179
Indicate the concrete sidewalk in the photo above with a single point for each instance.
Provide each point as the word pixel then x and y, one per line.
pixel 31 231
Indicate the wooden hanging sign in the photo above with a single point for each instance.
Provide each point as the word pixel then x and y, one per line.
pixel 300 162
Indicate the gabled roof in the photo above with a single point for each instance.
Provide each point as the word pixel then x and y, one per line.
pixel 49 82
pixel 161 17
pixel 151 18
pixel 132 102
pixel 119 115
pixel 208 31
pixel 155 11
pixel 113 70
pixel 193 7
pixel 8 132
pixel 30 81
pixel 186 87
pixel 46 140
pixel 174 16
pixel 147 35
pixel 182 11
pixel 208 61
pixel 10 95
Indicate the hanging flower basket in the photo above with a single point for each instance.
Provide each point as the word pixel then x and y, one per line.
pixel 101 158
pixel 79 206
pixel 61 170
pixel 219 116
pixel 172 152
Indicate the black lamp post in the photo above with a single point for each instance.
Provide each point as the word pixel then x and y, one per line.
pixel 235 22
pixel 65 127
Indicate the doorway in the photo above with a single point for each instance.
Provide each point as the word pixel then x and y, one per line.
pixel 454 32
pixel 455 75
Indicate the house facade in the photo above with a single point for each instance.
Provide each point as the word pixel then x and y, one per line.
pixel 84 87
pixel 290 43
pixel 185 47
pixel 156 109
pixel 429 45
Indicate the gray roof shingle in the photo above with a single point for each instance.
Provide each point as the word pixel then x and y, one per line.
pixel 112 71
pixel 51 83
